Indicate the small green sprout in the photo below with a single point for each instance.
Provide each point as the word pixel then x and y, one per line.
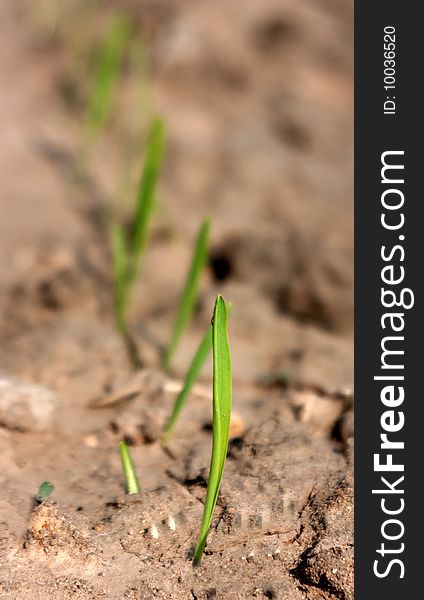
pixel 190 291
pixel 106 76
pixel 128 249
pixel 44 491
pixel 197 363
pixel 146 196
pixel 221 418
pixel 131 479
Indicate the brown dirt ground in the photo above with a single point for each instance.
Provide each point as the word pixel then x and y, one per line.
pixel 257 101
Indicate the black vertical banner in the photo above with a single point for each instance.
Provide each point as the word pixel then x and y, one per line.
pixel 389 300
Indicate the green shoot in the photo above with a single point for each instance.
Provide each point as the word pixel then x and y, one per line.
pixel 127 250
pixel 146 196
pixel 221 418
pixel 193 373
pixel 197 363
pixel 189 295
pixel 131 479
pixel 44 491
pixel 106 77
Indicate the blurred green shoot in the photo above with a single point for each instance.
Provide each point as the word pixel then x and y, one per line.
pixel 221 418
pixel 128 249
pixel 197 363
pixel 106 76
pixel 190 291
pixel 146 196
pixel 44 491
pixel 131 479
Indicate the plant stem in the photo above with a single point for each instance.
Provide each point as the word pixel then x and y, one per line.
pixel 221 418
pixel 190 379
pixel 190 291
pixel 131 479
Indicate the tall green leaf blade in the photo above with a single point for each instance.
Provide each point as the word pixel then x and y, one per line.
pixel 110 57
pixel 190 291
pixel 197 363
pixel 221 418
pixel 146 195
pixel 193 373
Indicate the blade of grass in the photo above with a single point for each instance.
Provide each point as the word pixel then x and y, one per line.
pixel 193 373
pixel 121 292
pixel 190 291
pixel 146 196
pixel 221 418
pixel 110 57
pixel 197 363
pixel 131 479
pixel 127 253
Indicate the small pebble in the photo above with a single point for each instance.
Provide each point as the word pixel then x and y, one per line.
pixel 237 426
pixel 154 531
pixel 91 441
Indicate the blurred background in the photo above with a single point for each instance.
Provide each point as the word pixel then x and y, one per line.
pixel 256 98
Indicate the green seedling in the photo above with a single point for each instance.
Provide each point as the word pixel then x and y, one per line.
pixel 44 491
pixel 221 418
pixel 193 373
pixel 190 291
pixel 145 200
pixel 128 248
pixel 197 363
pixel 131 479
pixel 106 76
